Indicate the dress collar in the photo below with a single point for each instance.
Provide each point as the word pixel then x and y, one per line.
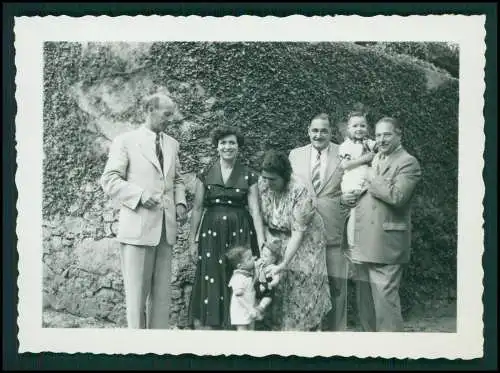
pixel 244 272
pixel 214 175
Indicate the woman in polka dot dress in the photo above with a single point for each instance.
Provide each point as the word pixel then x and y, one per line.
pixel 225 213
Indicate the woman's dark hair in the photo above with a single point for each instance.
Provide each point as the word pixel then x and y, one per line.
pixel 235 255
pixel 223 131
pixel 277 163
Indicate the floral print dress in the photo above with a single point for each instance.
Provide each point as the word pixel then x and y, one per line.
pixel 302 297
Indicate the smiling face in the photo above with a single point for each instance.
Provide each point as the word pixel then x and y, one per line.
pixel 320 133
pixel 273 180
pixel 247 261
pixel 357 128
pixel 387 136
pixel 228 147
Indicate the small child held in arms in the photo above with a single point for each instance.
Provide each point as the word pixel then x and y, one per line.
pixel 264 285
pixel 356 154
pixel 242 307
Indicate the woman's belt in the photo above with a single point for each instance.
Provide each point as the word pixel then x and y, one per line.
pixel 222 202
pixel 276 232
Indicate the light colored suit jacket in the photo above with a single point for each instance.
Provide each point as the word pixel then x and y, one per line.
pixel 327 198
pixel 383 214
pixel 132 168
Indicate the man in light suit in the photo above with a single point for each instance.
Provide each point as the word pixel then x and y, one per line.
pixel 316 166
pixel 383 229
pixel 143 174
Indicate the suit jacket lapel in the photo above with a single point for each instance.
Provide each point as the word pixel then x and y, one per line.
pixel 331 165
pixel 306 156
pixel 147 147
pixel 167 153
pixel 386 164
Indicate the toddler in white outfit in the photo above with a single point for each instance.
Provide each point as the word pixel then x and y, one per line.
pixel 356 153
pixel 242 308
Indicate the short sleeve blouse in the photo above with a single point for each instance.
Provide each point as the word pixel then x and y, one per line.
pixel 234 192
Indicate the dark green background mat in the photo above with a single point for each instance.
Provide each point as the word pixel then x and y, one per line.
pixel 50 361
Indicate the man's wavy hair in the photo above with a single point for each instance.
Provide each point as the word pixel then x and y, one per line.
pixel 396 123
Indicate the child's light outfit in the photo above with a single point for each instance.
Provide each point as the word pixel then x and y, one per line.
pixel 240 306
pixel 354 179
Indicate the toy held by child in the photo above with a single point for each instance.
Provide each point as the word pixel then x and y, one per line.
pixel 264 284
pixel 242 308
pixel 356 153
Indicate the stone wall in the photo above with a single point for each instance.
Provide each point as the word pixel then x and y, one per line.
pixel 81 266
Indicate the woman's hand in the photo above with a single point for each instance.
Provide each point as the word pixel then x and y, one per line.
pixel 181 213
pixel 193 251
pixel 273 270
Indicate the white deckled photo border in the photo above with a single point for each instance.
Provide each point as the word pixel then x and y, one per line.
pixel 466 31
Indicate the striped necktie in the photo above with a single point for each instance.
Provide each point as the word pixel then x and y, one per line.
pixel 159 153
pixel 316 175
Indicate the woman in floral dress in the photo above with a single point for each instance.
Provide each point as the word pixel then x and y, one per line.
pixel 302 296
pixel 225 213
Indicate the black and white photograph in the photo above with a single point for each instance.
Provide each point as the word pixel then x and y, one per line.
pixel 306 186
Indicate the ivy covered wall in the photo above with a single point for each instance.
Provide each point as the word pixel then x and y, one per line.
pixel 270 91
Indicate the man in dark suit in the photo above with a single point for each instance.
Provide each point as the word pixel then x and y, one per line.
pixel 383 229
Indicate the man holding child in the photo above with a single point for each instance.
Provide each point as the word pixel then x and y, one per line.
pixel 382 229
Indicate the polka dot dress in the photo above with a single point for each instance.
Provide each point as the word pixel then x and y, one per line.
pixel 226 222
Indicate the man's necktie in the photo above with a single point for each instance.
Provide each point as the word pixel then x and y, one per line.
pixel 159 153
pixel 316 175
pixel 380 162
